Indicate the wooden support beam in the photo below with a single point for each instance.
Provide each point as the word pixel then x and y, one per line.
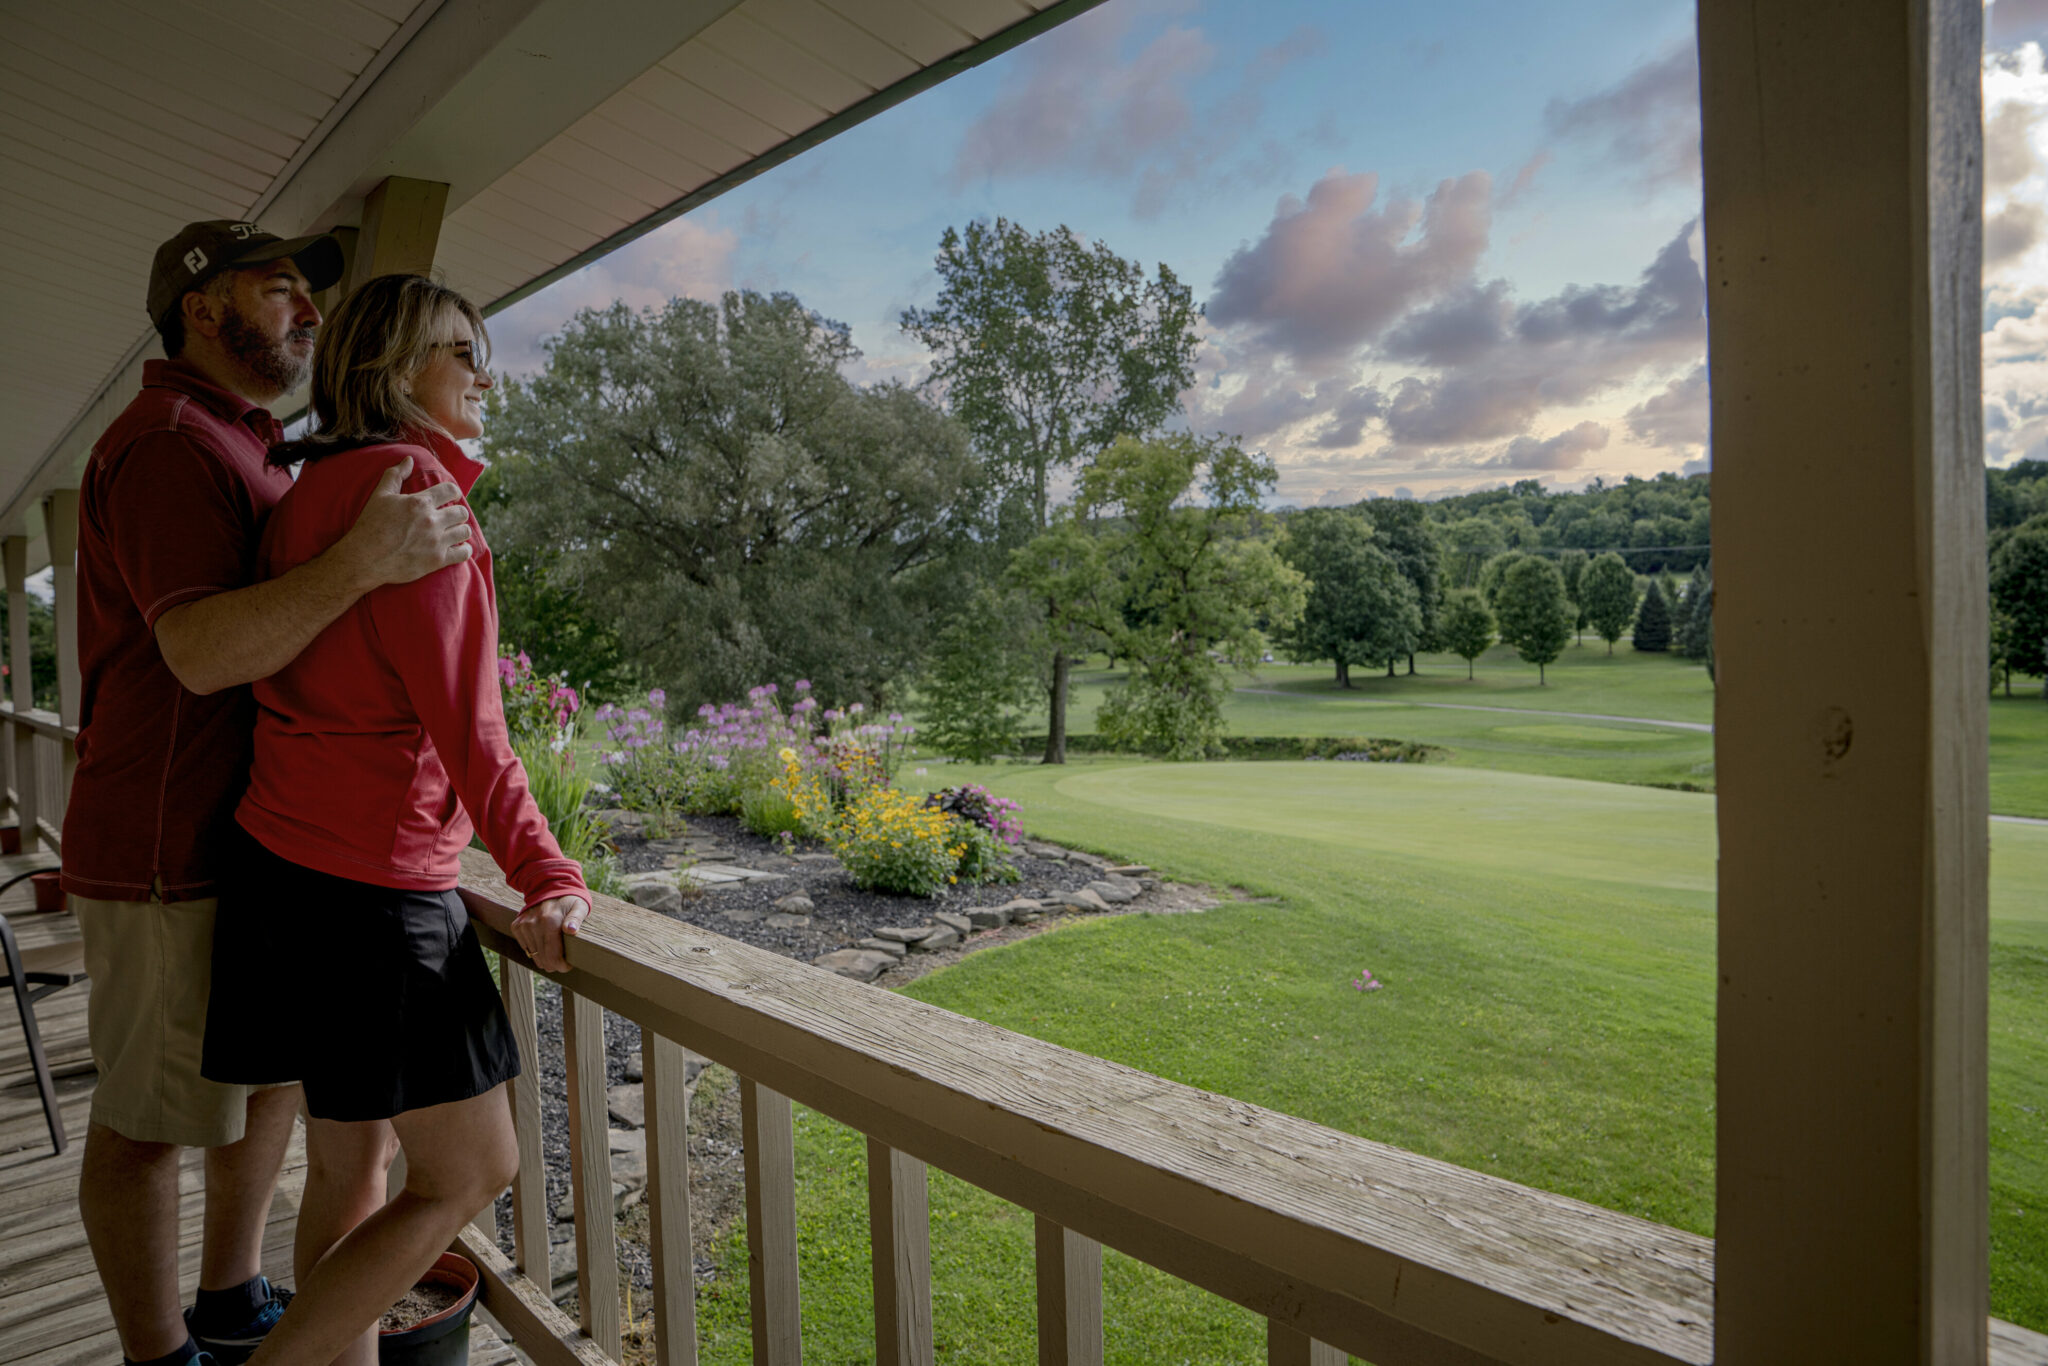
pixel 665 1068
pixel 899 1238
pixel 22 688
pixel 1286 1347
pixel 530 1215
pixel 401 229
pixel 1843 203
pixel 590 1172
pixel 1069 1297
pixel 768 1134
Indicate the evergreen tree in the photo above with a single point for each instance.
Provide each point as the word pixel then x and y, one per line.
pixel 1608 590
pixel 1653 622
pixel 1468 626
pixel 1572 564
pixel 981 674
pixel 2019 592
pixel 1535 616
pixel 1695 614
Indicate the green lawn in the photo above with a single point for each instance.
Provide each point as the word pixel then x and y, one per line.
pixel 1286 699
pixel 1547 946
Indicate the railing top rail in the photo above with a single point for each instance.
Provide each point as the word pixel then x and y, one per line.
pixel 1372 1249
pixel 41 722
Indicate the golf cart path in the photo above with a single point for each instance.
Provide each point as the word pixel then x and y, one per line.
pixel 1701 726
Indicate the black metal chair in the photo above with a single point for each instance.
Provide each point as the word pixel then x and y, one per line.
pixel 34 974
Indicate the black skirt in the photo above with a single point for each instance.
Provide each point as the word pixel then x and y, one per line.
pixel 376 999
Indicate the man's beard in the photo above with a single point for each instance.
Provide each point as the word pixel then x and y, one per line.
pixel 277 364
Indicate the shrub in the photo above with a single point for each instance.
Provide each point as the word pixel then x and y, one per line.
pixel 989 827
pixel 558 790
pixel 892 842
pixel 537 706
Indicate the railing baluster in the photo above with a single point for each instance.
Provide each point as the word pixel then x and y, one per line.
pixel 769 1133
pixel 590 1172
pixel 530 1216
pixel 1286 1347
pixel 21 667
pixel 1069 1297
pixel 899 1232
pixel 668 1200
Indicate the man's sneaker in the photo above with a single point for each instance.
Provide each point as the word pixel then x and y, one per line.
pixel 232 1348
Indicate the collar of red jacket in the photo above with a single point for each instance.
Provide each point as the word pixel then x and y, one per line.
pixel 453 459
pixel 186 378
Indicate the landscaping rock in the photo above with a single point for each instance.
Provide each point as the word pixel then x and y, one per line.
pixel 625 1141
pixel 1130 870
pixel 944 937
pixel 782 920
pixel 1088 860
pixel 893 947
pixel 796 903
pixel 1084 900
pixel 1116 892
pixel 1038 850
pixel 627 1104
pixel 988 917
pixel 903 934
pixel 862 965
pixel 956 920
pixel 562 1231
pixel 633 1066
pixel 744 915
pixel 817 859
pixel 1030 917
pixel 657 893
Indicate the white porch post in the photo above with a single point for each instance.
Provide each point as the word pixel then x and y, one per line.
pixel 22 687
pixel 1843 190
pixel 60 527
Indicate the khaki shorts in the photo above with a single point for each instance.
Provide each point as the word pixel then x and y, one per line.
pixel 150 964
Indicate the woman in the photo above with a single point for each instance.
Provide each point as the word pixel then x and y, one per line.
pixel 343 957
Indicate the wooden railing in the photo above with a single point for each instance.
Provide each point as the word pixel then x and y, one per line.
pixel 39 757
pixel 1343 1244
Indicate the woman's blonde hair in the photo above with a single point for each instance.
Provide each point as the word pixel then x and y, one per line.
pixel 370 350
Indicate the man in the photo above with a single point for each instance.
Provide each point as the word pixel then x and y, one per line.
pixel 171 631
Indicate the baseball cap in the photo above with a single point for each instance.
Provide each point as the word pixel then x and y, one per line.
pixel 201 251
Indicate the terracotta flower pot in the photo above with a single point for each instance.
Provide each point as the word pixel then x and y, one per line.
pixel 442 1340
pixel 49 895
pixel 10 839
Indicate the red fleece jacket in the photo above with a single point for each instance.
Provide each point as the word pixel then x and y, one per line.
pixel 385 739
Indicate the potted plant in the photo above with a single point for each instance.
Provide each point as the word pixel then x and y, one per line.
pixel 441 1338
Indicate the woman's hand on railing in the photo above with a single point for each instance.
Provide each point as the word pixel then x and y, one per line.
pixel 542 927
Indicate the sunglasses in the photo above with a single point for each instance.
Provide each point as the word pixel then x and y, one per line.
pixel 464 352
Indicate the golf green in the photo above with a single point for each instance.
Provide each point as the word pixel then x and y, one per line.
pixel 1516 823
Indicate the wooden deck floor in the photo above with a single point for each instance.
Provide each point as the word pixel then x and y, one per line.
pixel 51 1310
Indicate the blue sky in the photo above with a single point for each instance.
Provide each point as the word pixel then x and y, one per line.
pixel 1441 246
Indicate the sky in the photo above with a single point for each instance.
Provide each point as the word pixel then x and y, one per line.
pixel 1440 248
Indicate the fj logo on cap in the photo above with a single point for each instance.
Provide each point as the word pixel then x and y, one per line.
pixel 244 230
pixel 195 260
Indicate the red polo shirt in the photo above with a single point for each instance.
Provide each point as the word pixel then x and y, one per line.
pixel 380 744
pixel 170 510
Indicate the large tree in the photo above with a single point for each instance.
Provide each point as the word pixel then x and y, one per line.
pixel 1405 533
pixel 729 503
pixel 1049 348
pixel 1572 564
pixel 1608 592
pixel 1361 608
pixel 1535 616
pixel 1173 582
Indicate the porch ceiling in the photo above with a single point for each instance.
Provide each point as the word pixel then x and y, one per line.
pixel 563 128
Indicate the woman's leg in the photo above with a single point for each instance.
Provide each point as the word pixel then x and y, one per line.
pixel 457 1158
pixel 346 1167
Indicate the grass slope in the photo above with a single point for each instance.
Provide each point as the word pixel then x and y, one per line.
pixel 1548 1017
